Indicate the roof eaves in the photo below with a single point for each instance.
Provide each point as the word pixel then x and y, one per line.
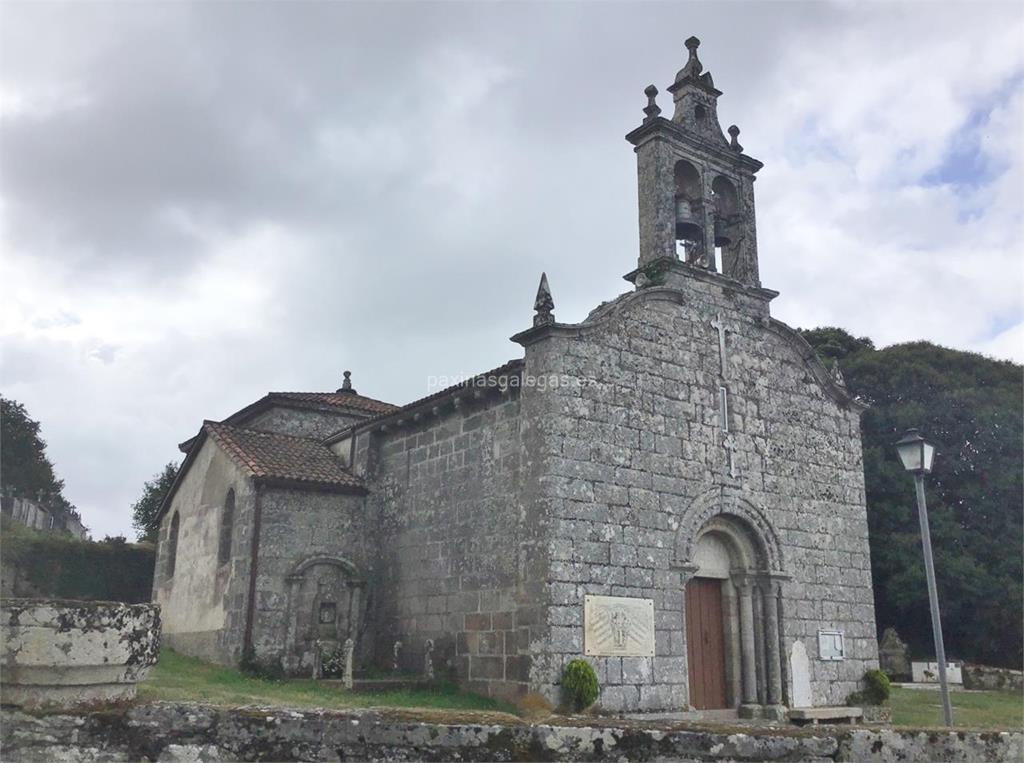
pixel 504 370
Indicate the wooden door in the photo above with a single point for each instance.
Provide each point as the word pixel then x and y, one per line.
pixel 705 643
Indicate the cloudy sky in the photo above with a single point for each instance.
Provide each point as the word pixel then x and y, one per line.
pixel 202 203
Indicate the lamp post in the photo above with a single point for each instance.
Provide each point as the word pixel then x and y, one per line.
pixel 916 453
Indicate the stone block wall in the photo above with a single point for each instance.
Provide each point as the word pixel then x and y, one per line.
pixel 637 462
pixel 300 529
pixel 204 601
pixel 301 423
pixel 449 521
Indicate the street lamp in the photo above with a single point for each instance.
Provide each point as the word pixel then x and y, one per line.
pixel 916 453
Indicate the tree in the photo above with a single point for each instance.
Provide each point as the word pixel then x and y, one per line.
pixel 144 511
pixel 971 406
pixel 24 465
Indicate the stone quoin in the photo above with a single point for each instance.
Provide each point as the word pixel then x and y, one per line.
pixel 680 457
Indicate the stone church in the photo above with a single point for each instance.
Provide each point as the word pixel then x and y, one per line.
pixel 671 489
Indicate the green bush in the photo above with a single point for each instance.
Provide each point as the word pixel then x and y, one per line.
pixel 63 567
pixel 579 683
pixel 876 690
pixel 877 687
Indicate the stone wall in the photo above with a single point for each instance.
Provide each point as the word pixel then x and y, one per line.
pixel 989 678
pixel 636 462
pixel 449 519
pixel 187 732
pixel 310 542
pixel 301 423
pixel 204 602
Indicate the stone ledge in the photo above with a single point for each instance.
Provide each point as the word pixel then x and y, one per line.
pixel 168 731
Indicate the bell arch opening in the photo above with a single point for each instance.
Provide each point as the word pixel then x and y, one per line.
pixel 726 204
pixel 689 211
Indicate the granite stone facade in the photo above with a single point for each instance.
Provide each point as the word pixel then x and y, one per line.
pixel 679 441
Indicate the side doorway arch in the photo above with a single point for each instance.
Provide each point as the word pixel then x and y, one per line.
pixel 325 607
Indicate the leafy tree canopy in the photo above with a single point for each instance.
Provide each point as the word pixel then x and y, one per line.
pixel 24 465
pixel 971 407
pixel 144 511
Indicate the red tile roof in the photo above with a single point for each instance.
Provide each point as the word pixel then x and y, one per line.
pixel 280 458
pixel 344 399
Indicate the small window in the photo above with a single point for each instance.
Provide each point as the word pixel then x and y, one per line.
pixel 700 113
pixel 172 545
pixel 227 525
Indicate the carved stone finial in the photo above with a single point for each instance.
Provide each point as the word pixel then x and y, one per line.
pixel 734 133
pixel 693 66
pixel 543 304
pixel 652 110
pixel 346 385
pixel 837 374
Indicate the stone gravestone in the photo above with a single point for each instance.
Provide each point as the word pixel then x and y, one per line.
pixel 893 656
pixel 801 669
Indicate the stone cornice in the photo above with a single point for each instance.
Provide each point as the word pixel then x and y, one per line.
pixel 659 127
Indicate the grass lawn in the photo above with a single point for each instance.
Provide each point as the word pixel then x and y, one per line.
pixel 982 709
pixel 179 678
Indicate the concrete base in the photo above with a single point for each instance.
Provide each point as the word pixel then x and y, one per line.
pixel 815 715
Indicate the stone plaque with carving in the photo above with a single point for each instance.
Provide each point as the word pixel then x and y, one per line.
pixel 618 626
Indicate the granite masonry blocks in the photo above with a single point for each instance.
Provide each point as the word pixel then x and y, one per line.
pixel 648 449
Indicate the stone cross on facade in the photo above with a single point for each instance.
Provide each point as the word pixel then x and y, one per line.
pixel 730 448
pixel 719 325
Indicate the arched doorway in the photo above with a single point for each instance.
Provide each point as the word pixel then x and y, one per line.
pixel 705 625
pixel 732 575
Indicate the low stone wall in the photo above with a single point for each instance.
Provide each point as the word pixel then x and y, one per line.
pixel 65 654
pixel 189 732
pixel 999 679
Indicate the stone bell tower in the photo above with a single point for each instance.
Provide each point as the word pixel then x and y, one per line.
pixel 696 186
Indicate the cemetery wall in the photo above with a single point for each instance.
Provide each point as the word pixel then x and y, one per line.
pixel 189 732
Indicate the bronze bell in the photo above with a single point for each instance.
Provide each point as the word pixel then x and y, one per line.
pixel 688 226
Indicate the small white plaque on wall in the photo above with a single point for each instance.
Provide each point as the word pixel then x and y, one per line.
pixel 618 626
pixel 830 645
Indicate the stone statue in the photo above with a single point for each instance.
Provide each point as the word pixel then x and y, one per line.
pixel 893 655
pixel 396 656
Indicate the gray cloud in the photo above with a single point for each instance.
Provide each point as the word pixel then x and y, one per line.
pixel 204 202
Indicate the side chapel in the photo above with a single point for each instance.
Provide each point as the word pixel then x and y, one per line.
pixel 685 509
